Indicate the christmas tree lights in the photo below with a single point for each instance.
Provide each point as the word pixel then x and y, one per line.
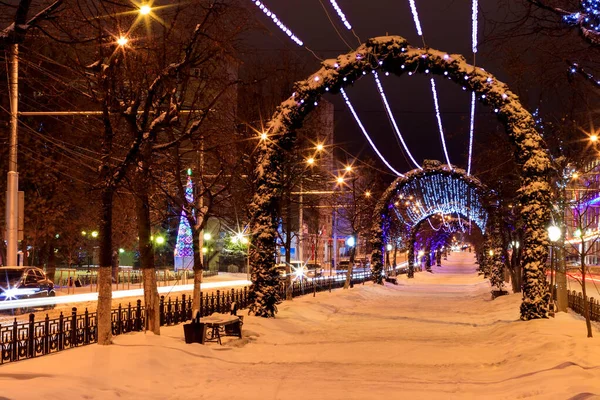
pixel 184 246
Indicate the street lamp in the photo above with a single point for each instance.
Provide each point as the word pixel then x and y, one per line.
pixel 554 234
pixel 122 41
pixel 95 234
pixel 145 9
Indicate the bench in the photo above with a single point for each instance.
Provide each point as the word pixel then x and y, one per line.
pixel 213 327
pixel 217 325
pixel 391 279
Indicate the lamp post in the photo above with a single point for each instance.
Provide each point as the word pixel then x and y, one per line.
pixel 555 234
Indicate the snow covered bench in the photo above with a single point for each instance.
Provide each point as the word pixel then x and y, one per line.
pixel 217 325
pixel 391 279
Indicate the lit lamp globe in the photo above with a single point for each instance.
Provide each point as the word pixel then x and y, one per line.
pixel 554 233
pixel 389 247
pixel 350 241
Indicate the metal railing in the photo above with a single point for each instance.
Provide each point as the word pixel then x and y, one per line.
pixel 576 304
pixel 22 340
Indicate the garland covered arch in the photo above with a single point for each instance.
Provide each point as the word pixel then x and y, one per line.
pixel 421 193
pixel 393 54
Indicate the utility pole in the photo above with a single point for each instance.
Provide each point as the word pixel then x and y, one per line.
pixel 300 225
pixel 12 188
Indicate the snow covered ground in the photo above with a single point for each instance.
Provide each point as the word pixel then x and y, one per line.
pixel 437 336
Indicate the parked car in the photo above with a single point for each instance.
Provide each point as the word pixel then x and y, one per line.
pixel 314 270
pixel 24 283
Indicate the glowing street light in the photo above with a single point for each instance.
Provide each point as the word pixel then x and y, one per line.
pixel 95 234
pixel 159 240
pixel 320 147
pixel 388 247
pixel 554 233
pixel 83 233
pixel 367 194
pixel 264 136
pixel 340 180
pixel 122 41
pixel 121 251
pixel 145 9
pixel 207 236
pixel 577 233
pixel 348 168
pixel 310 161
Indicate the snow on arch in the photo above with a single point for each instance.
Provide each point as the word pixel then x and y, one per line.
pixel 394 54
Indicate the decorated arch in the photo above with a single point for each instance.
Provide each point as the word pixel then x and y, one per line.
pixel 393 54
pixel 435 189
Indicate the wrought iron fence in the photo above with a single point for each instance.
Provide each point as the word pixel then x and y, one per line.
pixel 576 304
pixel 22 340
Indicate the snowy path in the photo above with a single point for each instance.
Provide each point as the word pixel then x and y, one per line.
pixel 437 336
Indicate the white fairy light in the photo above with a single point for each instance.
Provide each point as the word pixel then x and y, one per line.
pixel 364 131
pixel 413 9
pixel 392 119
pixel 439 120
pixel 471 132
pixel 474 20
pixel 277 22
pixel 340 13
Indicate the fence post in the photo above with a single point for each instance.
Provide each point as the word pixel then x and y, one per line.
pixel 176 312
pixel 245 296
pixel 183 311
pixel 86 327
pixel 218 306
pixel 31 337
pixel 61 331
pixel 314 288
pixel 74 326
pixel 129 322
pixel 119 320
pixel 47 335
pixel 138 316
pixel 161 310
pixel 169 313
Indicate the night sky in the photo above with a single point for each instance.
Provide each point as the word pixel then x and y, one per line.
pixel 446 26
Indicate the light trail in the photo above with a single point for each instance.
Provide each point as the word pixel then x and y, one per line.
pixel 118 294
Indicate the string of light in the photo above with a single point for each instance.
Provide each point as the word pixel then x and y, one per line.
pixel 439 194
pixel 277 22
pixel 364 131
pixel 474 13
pixel 439 120
pixel 392 119
pixel 341 14
pixel 415 13
pixel 471 131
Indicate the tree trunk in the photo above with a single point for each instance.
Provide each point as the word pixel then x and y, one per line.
pixel 288 247
pixel 146 249
pixel 197 294
pixel 411 255
pixel 104 269
pixel 586 303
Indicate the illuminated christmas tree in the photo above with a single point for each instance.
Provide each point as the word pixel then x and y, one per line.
pixel 184 247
